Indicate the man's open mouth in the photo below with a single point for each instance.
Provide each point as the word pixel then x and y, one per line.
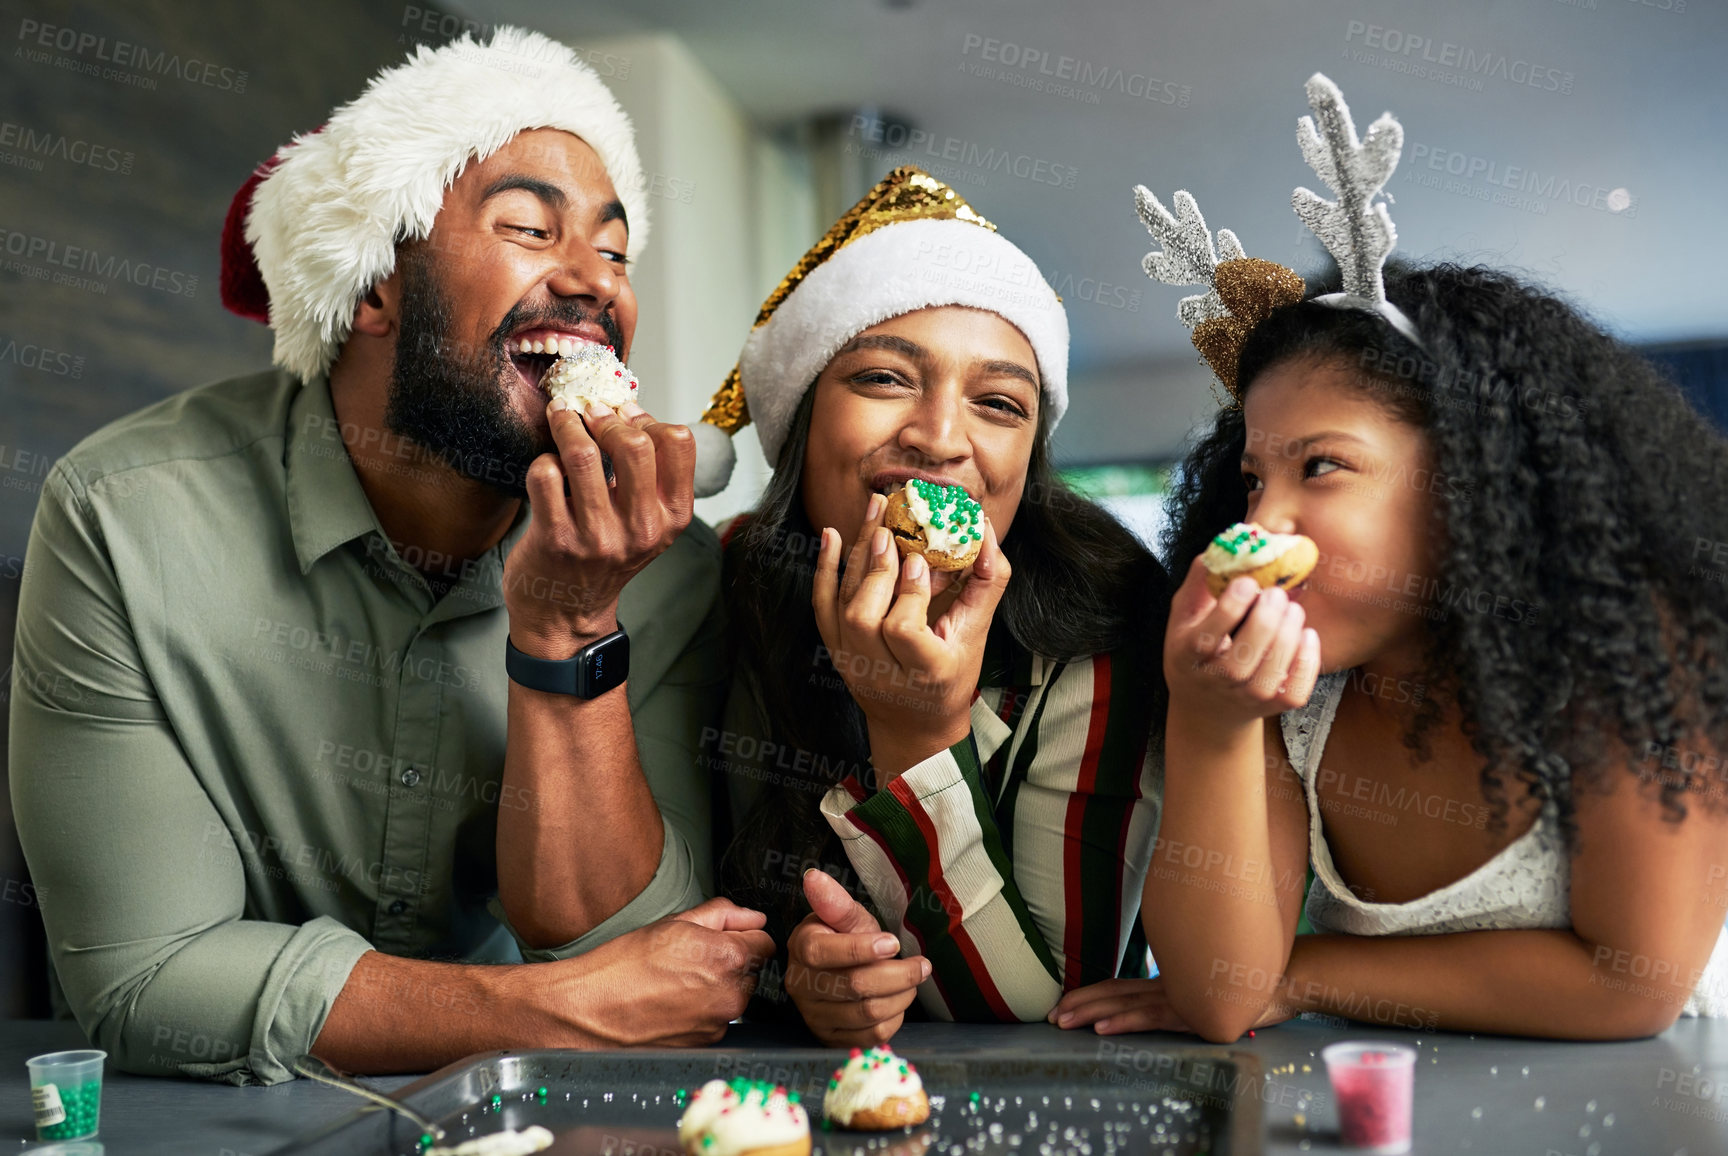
pixel 533 351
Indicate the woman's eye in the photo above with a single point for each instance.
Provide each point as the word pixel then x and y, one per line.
pixel 614 256
pixel 877 377
pixel 1317 467
pixel 537 234
pixel 1003 405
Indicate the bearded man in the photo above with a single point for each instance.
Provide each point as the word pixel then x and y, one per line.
pixel 313 664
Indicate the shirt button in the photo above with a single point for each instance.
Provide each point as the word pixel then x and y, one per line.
pixel 398 907
pixel 411 777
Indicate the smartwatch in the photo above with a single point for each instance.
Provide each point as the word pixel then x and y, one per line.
pixel 589 673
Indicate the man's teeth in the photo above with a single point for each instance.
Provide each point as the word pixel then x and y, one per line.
pixel 560 347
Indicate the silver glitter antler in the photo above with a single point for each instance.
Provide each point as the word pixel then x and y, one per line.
pixel 1355 229
pixel 1241 290
pixel 1188 257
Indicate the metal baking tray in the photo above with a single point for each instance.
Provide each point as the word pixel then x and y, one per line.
pixel 1137 1099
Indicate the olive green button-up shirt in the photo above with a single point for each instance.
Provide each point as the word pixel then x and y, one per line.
pixel 248 743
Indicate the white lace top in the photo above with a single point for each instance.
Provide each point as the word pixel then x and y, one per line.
pixel 1526 885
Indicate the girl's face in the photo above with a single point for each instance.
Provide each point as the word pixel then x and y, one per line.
pixel 947 394
pixel 1325 459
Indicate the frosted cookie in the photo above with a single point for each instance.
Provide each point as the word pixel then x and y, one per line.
pixel 510 1142
pixel 1282 560
pixel 942 523
pixel 587 372
pixel 875 1091
pixel 731 1117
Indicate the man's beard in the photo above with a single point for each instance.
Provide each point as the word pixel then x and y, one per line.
pixel 455 401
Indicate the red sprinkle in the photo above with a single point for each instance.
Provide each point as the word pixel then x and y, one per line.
pixel 1250 1033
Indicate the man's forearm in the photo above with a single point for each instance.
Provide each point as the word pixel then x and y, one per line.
pixel 415 1015
pixel 584 835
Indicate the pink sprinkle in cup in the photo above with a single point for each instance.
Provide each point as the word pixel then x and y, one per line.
pixel 1373 1085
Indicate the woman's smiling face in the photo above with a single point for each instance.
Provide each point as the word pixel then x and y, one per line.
pixel 1325 458
pixel 949 394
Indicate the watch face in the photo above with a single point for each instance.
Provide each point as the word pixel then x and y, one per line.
pixel 608 664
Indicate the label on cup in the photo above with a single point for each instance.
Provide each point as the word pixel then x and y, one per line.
pixel 45 1099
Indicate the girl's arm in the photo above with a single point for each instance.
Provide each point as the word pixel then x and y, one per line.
pixel 1224 887
pixel 1647 903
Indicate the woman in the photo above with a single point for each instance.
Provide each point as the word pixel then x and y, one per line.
pixel 972 763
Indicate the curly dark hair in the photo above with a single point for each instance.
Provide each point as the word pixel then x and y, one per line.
pixel 1594 489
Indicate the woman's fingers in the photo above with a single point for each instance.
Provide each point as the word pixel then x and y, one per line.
pixel 861 545
pixel 888 979
pixel 968 620
pixel 874 593
pixel 825 589
pixel 906 629
pixel 1305 672
pixel 1141 1019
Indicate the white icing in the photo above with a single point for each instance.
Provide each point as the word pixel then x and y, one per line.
pixel 948 538
pixel 867 1081
pixel 761 1119
pixel 1222 562
pixel 510 1142
pixel 589 373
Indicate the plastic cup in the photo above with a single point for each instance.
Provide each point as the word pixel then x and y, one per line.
pixel 66 1093
pixel 1372 1084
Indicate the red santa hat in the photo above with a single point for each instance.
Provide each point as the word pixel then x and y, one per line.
pixel 317 225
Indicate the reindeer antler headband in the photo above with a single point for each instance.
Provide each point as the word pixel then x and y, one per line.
pixel 1244 290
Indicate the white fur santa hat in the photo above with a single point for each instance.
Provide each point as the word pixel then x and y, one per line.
pixel 911 243
pixel 317 225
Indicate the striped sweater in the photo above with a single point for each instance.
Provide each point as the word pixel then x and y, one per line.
pixel 1014 860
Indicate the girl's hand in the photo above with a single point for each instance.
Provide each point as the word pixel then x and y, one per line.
pixel 913 679
pixel 1118 1005
pixel 1267 667
pixel 1115 1006
pixel 842 973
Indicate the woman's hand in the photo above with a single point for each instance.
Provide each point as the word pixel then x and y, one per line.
pixel 842 973
pixel 913 678
pixel 1268 666
pixel 1114 1006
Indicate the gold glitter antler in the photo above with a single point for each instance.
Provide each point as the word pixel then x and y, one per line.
pixel 1357 231
pixel 1243 290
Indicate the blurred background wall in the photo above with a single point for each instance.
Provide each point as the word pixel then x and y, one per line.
pixel 1579 141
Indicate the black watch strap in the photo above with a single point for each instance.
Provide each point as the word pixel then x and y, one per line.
pixel 589 673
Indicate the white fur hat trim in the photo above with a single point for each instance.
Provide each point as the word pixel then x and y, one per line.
pixel 898 269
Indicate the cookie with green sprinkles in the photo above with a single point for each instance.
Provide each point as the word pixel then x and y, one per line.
pixel 941 522
pixel 875 1091
pixel 1282 560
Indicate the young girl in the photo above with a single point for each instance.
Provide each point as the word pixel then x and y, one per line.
pixel 1493 720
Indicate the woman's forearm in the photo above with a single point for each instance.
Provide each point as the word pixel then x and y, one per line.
pixel 1545 983
pixel 1211 903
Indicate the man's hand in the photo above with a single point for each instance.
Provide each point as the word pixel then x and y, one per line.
pixel 562 580
pixel 677 982
pixel 842 972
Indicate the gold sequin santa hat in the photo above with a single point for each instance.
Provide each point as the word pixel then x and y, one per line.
pixel 1243 291
pixel 911 243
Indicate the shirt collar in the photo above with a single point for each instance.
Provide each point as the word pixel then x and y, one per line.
pixel 326 505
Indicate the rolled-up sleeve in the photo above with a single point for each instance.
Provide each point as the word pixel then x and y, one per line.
pixel 141 885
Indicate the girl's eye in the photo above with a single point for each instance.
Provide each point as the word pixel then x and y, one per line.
pixel 1252 481
pixel 1313 467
